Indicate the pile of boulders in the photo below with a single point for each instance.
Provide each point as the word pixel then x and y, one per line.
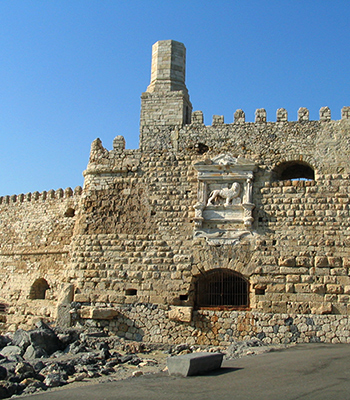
pixel 44 358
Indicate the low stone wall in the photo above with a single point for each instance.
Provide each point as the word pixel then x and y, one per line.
pixel 151 323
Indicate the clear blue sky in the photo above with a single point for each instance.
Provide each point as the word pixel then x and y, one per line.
pixel 74 70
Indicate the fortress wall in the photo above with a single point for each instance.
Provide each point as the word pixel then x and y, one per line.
pixel 35 234
pixel 145 231
pixel 324 145
pixel 305 227
pixel 134 248
pixel 131 231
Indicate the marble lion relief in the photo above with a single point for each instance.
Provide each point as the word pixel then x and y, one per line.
pixel 223 212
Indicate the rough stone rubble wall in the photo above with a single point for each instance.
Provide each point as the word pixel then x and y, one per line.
pixel 150 323
pixel 35 236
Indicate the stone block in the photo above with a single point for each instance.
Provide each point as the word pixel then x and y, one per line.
pixel 66 294
pixel 334 289
pixel 289 288
pixel 63 316
pixel 303 114
pixel 218 119
pixel 81 298
pixel 287 262
pixel 281 115
pixel 302 288
pixel 98 313
pixel 260 115
pixel 321 262
pixel 181 314
pixel 304 261
pixel 194 363
pixel 335 261
pixel 345 113
pixel 325 114
pixel 276 288
pixel 293 278
pixel 239 116
pixel 197 117
pixel 318 288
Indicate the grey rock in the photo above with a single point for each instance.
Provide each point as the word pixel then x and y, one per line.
pixel 33 352
pixel 11 350
pixel 38 366
pixel 54 379
pixel 14 358
pixel 45 339
pixel 34 387
pixel 179 348
pixel 4 341
pixel 3 373
pixel 75 348
pixel 8 389
pixel 125 359
pixel 24 367
pixel 194 363
pixel 21 339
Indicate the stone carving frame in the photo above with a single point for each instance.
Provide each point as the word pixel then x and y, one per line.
pixel 228 183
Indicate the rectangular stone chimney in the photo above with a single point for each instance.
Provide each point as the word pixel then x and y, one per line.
pixel 166 101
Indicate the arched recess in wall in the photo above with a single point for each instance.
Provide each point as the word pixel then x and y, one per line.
pixel 70 212
pixel 293 170
pixel 38 289
pixel 222 288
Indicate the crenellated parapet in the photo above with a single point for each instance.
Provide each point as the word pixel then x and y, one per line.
pixel 117 161
pixel 42 196
pixel 239 116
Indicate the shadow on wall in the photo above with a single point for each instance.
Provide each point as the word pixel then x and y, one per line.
pixel 38 289
pixel 293 170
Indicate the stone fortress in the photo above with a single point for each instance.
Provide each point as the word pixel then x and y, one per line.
pixel 203 235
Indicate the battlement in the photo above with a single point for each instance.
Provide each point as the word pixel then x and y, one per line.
pixel 168 123
pixel 43 196
pixel 261 116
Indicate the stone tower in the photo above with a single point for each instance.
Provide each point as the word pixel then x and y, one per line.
pixel 166 102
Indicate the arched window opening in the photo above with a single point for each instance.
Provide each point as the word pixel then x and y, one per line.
pixel 38 289
pixel 222 288
pixel 294 170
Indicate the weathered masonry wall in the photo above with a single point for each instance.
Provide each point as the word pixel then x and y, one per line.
pixel 150 323
pixel 261 208
pixel 323 144
pixel 35 235
pixel 297 253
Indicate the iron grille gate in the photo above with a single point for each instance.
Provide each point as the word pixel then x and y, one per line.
pixel 222 288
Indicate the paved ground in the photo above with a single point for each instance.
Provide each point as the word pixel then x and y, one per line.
pixel 311 371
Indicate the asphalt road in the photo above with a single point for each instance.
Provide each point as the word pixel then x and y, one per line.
pixel 310 371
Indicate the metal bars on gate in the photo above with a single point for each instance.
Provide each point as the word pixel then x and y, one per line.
pixel 221 287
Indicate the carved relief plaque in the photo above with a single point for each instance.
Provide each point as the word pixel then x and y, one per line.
pixel 223 212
